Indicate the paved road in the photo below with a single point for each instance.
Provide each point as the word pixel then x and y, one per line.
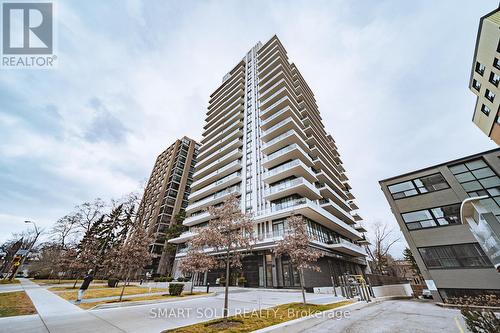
pixel 413 316
pixel 59 315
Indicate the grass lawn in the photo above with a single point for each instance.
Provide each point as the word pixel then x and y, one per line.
pixel 105 292
pixel 56 281
pixel 6 281
pixel 70 288
pixel 15 304
pixel 134 299
pixel 256 320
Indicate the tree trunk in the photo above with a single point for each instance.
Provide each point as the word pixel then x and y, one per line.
pixel 195 274
pixel 123 288
pixel 301 278
pixel 226 291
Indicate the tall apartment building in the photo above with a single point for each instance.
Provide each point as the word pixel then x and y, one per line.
pixel 485 75
pixel 264 140
pixel 165 196
pixel 426 204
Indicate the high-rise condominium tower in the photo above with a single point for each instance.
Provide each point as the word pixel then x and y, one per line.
pixel 166 196
pixel 485 75
pixel 264 140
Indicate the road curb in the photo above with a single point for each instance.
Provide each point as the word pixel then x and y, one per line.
pixel 146 302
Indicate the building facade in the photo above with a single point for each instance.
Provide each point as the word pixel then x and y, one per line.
pixel 485 75
pixel 264 141
pixel 166 196
pixel 426 204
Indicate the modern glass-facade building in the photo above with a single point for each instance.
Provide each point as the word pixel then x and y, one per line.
pixel 426 204
pixel 264 140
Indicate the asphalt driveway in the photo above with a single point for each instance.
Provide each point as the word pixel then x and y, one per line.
pixel 398 316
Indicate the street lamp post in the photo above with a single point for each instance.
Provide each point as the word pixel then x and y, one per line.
pixel 37 233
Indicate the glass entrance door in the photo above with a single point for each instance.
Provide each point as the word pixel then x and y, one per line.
pixel 269 270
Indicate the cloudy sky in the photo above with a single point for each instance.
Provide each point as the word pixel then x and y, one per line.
pixel 390 78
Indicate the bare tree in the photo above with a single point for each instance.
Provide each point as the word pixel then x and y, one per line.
pixel 296 245
pixel 131 257
pixel 379 251
pixel 64 229
pixel 229 232
pixel 196 262
pixel 89 212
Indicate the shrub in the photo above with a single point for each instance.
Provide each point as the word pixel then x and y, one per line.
pixel 169 279
pixel 41 276
pixel 241 281
pixel 222 280
pixel 175 289
pixel 481 322
pixel 113 282
pixel 182 279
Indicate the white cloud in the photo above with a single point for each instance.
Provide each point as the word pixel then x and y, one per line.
pixel 390 79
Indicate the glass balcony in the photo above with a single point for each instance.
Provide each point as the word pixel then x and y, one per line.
pixel 293 151
pixel 223 182
pixel 227 168
pixel 202 168
pixel 212 199
pixel 295 186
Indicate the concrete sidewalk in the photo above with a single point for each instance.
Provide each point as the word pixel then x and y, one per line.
pixel 55 315
pixel 8 288
pixel 59 315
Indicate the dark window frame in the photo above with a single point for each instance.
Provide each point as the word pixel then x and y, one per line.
pixel 476 178
pixel 484 257
pixel 485 110
pixel 434 218
pixel 479 68
pixel 476 85
pixel 489 95
pixel 496 63
pixel 492 79
pixel 417 188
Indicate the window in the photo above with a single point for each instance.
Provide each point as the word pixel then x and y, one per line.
pixel 496 63
pixel 476 85
pixel 480 68
pixel 454 256
pixel 489 95
pixel 494 79
pixel 418 186
pixel 486 110
pixel 478 179
pixel 434 217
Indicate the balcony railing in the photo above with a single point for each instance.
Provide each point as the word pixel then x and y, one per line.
pixel 287 185
pixel 226 156
pixel 229 134
pixel 277 126
pixel 284 151
pixel 216 172
pixel 286 166
pixel 281 100
pixel 282 206
pixel 280 91
pixel 212 130
pixel 221 181
pixel 201 203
